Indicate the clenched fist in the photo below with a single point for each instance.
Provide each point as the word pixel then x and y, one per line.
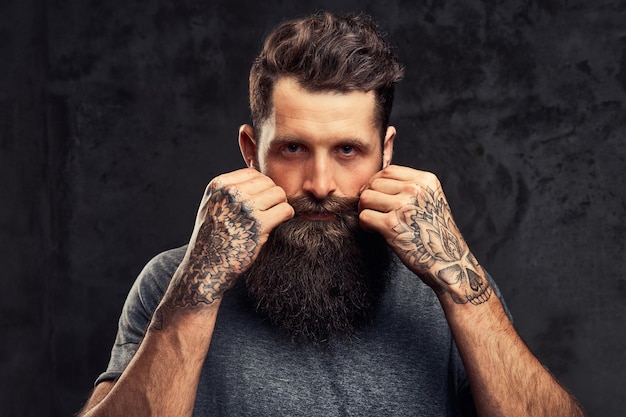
pixel 409 209
pixel 236 215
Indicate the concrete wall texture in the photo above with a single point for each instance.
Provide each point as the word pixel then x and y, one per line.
pixel 114 116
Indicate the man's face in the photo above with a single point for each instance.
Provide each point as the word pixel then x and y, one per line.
pixel 320 143
pixel 319 274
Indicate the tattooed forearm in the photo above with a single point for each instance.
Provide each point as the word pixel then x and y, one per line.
pixel 429 238
pixel 224 247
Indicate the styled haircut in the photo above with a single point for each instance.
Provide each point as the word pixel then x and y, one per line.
pixel 325 52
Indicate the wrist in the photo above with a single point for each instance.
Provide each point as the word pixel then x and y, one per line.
pixel 468 315
pixel 170 316
pixel 463 281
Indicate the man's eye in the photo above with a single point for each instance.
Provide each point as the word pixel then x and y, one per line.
pixel 292 148
pixel 347 150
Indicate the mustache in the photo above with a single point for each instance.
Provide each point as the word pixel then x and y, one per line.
pixel 339 206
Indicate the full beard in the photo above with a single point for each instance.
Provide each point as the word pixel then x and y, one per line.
pixel 318 279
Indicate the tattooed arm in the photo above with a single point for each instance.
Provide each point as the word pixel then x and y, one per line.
pixel 237 213
pixel 410 210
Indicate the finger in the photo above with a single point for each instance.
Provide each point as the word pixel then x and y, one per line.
pixel 241 175
pixel 239 185
pixel 376 221
pixel 255 185
pixel 274 216
pixel 379 201
pixel 386 185
pixel 268 198
pixel 402 173
pixel 391 173
pixel 234 178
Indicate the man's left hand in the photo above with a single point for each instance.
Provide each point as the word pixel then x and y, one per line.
pixel 409 209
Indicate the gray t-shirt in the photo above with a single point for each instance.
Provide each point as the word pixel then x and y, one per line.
pixel 404 364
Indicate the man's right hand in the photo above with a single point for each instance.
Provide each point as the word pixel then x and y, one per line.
pixel 236 215
pixel 238 211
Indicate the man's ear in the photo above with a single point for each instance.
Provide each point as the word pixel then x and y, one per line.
pixel 247 145
pixel 388 145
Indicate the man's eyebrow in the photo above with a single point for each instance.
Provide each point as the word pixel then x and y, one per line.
pixel 352 141
pixel 282 140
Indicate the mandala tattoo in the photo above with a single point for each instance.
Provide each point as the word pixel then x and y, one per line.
pixel 431 242
pixel 224 248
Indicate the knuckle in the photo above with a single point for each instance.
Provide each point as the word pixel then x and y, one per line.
pixel 289 210
pixel 389 222
pixel 215 184
pixel 232 192
pixel 411 189
pixel 389 169
pixel 365 196
pixel 430 178
pixel 375 182
pixel 210 188
pixel 364 217
pixel 280 193
pixel 248 206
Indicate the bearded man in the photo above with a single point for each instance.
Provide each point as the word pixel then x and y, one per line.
pixel 343 284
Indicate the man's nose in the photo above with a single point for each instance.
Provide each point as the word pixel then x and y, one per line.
pixel 319 178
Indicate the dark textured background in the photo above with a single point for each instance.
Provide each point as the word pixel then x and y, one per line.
pixel 114 115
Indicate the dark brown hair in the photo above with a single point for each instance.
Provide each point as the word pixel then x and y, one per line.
pixel 325 52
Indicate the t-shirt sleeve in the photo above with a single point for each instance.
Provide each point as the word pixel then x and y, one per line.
pixel 143 298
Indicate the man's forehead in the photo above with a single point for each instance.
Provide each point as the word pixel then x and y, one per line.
pixel 291 100
pixel 288 83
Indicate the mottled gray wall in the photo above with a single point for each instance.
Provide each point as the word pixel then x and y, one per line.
pixel 114 115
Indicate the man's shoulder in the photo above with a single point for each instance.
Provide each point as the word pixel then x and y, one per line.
pixel 167 260
pixel 158 272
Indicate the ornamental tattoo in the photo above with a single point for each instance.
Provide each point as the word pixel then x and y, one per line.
pixel 430 241
pixel 224 247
